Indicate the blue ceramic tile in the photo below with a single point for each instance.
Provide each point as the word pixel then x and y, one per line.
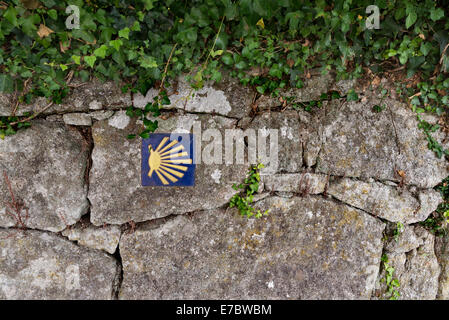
pixel 167 160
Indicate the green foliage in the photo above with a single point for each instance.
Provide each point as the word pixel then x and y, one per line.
pixel 249 188
pixel 309 105
pixel 10 125
pixel 264 43
pixel 150 110
pixel 392 283
pixel 398 230
pixel 438 222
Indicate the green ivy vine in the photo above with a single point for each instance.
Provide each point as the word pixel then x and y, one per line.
pixel 269 44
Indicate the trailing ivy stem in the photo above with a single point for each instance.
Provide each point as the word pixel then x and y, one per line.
pixel 32 116
pixel 213 46
pixel 166 68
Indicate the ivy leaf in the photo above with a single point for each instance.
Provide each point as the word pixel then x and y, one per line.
pixel 148 4
pixel 425 48
pixel 53 14
pixel 147 62
pixel 187 36
pixel 216 75
pixel 28 24
pixel 11 15
pixel 101 52
pixel 77 59
pixel 216 53
pixel 411 19
pixel 135 26
pixel 6 83
pixel 153 126
pixel 144 135
pixel 63 67
pixel 90 60
pixel 81 34
pixel 260 23
pixel 436 14
pixel 352 95
pixel 124 33
pixel 227 59
pixel 241 65
pixel 198 77
pixel 116 44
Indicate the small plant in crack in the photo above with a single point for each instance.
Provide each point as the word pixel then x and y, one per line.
pixel 397 231
pixel 392 284
pixel 15 208
pixel 132 227
pixel 242 201
pixel 380 107
pixel 308 106
pixel 438 221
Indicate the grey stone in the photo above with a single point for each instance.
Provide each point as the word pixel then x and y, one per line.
pixel 101 114
pixel 77 119
pixel 307 183
pixel 95 105
pixel 115 191
pixel 306 248
pixel 43 266
pixel 312 90
pixel 119 120
pixel 55 117
pixel 289 156
pixel 390 203
pixel 46 165
pixel 358 142
pixel 82 98
pixel 343 86
pixel 7 105
pixel 442 253
pixel 405 242
pixel 417 270
pixel 227 98
pixel 102 238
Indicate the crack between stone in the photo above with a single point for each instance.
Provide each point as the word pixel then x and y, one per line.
pixel 118 279
pixel 440 264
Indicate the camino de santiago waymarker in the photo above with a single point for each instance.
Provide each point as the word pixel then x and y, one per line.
pixel 167 160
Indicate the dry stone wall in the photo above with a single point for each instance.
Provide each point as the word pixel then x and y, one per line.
pixel 87 229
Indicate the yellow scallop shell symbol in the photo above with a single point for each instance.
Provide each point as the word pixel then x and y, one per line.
pixel 166 163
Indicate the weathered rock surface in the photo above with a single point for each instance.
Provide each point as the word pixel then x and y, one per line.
pixel 307 248
pixel 406 241
pixel 302 183
pixel 289 145
pixel 312 90
pixel 77 119
pixel 417 270
pixel 101 114
pixel 358 142
pixel 102 238
pixel 46 166
pixel 442 253
pixel 39 265
pixel 87 96
pixel 227 98
pixel 385 201
pixel 115 191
